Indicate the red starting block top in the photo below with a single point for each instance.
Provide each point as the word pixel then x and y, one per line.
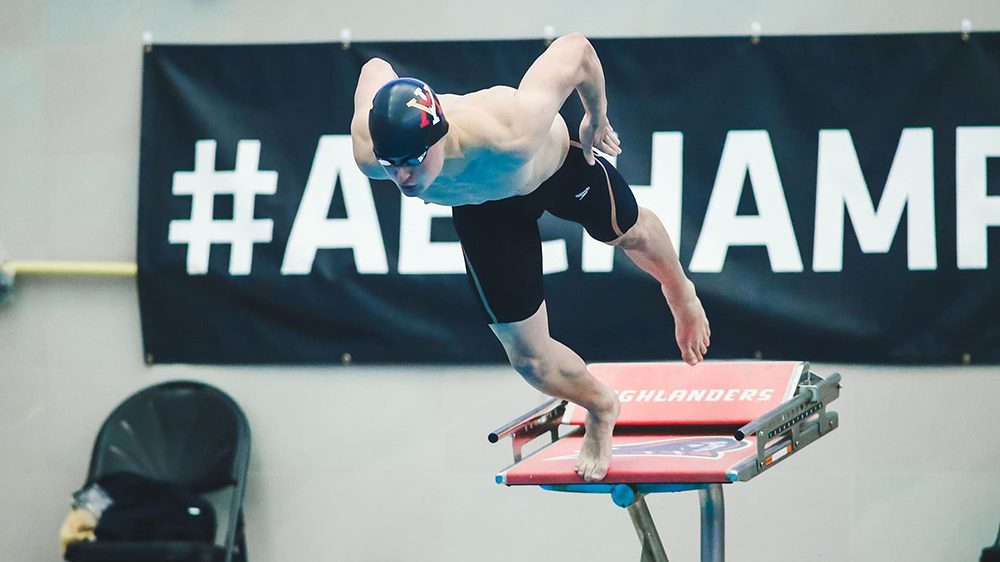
pixel 718 393
pixel 662 458
pixel 681 421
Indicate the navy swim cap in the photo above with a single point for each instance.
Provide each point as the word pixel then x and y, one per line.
pixel 405 120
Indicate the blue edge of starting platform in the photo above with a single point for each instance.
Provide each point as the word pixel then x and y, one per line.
pixel 623 495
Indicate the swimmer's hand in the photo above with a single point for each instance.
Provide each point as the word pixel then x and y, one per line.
pixel 597 133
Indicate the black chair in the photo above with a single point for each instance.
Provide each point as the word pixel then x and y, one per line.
pixel 183 432
pixel 991 553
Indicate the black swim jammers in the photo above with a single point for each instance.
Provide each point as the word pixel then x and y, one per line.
pixel 502 245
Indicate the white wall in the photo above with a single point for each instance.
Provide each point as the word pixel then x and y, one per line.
pixel 367 464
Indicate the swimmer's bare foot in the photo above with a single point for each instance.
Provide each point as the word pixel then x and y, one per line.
pixel 595 453
pixel 692 331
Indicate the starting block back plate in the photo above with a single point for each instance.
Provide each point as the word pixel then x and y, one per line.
pixel 718 393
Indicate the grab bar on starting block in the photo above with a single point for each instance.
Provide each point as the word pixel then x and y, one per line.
pixel 771 423
pixel 792 425
pixel 526 427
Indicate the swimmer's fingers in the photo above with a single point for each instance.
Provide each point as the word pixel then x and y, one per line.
pixel 609 143
pixel 607 146
pixel 611 138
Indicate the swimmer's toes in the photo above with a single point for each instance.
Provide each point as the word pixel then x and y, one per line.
pixel 690 357
pixel 597 473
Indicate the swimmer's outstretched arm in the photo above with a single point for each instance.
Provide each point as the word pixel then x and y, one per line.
pixel 570 63
pixel 374 74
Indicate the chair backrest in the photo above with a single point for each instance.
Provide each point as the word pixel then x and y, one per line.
pixel 184 432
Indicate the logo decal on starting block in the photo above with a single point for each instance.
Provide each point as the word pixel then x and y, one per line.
pixel 690 447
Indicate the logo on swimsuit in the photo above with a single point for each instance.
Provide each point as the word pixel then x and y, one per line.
pixel 428 104
pixel 689 447
pixel 582 194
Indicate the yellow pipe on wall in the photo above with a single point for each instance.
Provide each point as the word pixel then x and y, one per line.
pixel 14 268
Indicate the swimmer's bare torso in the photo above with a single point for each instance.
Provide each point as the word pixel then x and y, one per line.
pixel 485 157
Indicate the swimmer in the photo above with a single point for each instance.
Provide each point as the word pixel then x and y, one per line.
pixel 501 157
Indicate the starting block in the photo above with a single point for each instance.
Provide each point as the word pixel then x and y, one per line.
pixel 681 428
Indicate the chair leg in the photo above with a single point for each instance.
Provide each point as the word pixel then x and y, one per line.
pixel 241 540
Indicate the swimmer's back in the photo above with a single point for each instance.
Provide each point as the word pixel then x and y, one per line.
pixel 492 141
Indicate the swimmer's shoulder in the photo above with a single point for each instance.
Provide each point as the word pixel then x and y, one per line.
pixel 487 118
pixel 497 102
pixel 492 103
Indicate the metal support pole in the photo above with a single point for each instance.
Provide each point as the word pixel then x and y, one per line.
pixel 713 524
pixel 652 548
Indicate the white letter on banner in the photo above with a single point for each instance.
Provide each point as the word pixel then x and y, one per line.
pixel 554 258
pixel 201 230
pixel 663 197
pixel 747 152
pixel 312 230
pixel 977 211
pixel 910 186
pixel 417 253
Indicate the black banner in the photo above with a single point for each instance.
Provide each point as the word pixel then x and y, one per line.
pixel 833 198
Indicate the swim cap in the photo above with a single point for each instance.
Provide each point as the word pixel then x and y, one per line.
pixel 405 120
